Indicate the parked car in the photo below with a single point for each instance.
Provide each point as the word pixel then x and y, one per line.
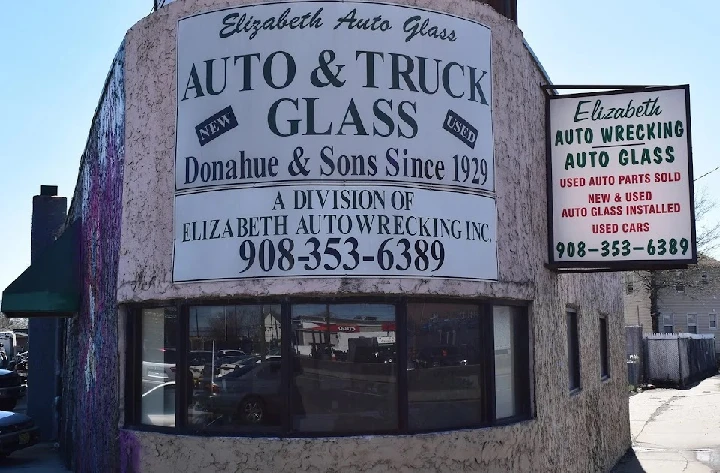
pixel 251 394
pixel 17 431
pixel 11 389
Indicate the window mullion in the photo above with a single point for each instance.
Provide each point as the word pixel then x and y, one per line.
pixel 487 347
pixel 181 368
pixel 287 366
pixel 133 366
pixel 521 363
pixel 401 346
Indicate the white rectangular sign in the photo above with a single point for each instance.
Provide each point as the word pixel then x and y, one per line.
pixel 323 94
pixel 621 178
pixel 334 231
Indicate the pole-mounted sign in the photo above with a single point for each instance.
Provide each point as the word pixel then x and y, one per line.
pixel 620 180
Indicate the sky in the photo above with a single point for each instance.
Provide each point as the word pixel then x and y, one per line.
pixel 54 57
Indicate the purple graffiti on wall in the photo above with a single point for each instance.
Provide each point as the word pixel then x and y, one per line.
pixel 91 368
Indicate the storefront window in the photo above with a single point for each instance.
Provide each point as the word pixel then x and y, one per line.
pixel 345 374
pixel 504 356
pixel 444 372
pixel 234 360
pixel 348 368
pixel 159 362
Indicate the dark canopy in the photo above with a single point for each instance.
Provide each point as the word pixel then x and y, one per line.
pixel 50 286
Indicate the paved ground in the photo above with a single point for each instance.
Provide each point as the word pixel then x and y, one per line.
pixel 675 431
pixel 41 458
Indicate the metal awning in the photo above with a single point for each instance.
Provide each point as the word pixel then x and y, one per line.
pixel 50 286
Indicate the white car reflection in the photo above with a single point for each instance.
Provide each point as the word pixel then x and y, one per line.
pixel 158 405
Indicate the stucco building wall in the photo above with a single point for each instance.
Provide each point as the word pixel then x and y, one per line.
pixel 90 381
pixel 586 431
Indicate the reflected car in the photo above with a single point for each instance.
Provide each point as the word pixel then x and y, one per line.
pixel 17 431
pixel 231 353
pixel 162 395
pixel 199 357
pixel 197 361
pixel 235 361
pixel 230 364
pixel 158 405
pixel 223 368
pixel 158 366
pixel 440 355
pixel 250 394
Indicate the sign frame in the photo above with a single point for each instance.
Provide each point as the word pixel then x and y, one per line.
pixel 625 265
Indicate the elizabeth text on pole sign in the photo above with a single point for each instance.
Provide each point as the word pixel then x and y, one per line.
pixel 333 138
pixel 620 179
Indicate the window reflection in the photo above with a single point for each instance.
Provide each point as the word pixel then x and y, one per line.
pixel 159 358
pixel 344 375
pixel 235 365
pixel 504 359
pixel 444 374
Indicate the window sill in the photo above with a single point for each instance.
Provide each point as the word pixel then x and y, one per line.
pixel 282 435
pixel 605 379
pixel 515 420
pixel 575 391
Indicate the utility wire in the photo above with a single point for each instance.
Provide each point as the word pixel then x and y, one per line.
pixel 709 172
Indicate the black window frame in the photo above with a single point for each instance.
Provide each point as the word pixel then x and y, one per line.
pixel 521 363
pixel 573 351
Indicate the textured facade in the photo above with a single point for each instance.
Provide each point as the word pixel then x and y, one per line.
pixel 89 426
pixel 586 431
